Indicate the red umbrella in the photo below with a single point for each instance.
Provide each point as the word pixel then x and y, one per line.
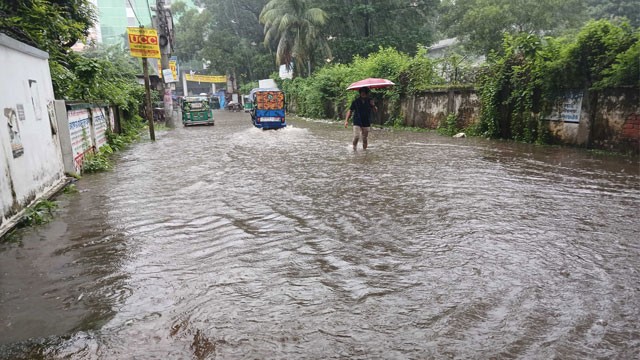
pixel 371 83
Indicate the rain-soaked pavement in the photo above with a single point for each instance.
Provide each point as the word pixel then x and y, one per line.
pixel 233 243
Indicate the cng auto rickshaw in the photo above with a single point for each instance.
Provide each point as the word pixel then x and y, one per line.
pixel 248 105
pixel 196 110
pixel 268 108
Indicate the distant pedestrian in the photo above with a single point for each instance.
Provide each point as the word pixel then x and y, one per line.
pixel 362 109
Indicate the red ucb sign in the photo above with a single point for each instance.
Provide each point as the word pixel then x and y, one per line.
pixel 143 39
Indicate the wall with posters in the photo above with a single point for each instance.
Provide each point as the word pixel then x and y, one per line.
pixel 83 130
pixel 30 159
pixel 603 119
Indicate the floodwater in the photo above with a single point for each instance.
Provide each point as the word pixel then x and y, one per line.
pixel 229 242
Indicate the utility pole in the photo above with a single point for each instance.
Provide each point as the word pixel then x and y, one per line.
pixel 147 95
pixel 164 24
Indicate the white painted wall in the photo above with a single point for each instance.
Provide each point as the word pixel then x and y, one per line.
pixel 31 163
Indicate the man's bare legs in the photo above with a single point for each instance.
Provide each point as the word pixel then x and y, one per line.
pixel 365 137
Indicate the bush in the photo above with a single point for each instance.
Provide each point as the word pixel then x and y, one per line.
pixel 40 213
pixel 450 126
pixel 324 94
pixel 101 161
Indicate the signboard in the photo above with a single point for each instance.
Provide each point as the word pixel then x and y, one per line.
pixel 143 42
pixel 567 108
pixel 167 75
pixel 173 65
pixel 80 132
pixel 99 127
pixel 285 73
pixel 267 83
pixel 206 78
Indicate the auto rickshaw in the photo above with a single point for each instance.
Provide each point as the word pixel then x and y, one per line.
pixel 268 108
pixel 196 110
pixel 248 104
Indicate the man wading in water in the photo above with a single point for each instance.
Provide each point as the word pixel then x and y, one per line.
pixel 362 109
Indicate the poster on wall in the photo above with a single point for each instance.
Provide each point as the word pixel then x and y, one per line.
pixel 99 126
pixel 35 99
pixel 14 132
pixel 51 112
pixel 20 110
pixel 80 133
pixel 112 119
pixel 567 108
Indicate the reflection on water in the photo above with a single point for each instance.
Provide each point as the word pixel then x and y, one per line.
pixel 233 242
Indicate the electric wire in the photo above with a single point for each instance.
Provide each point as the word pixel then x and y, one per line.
pixel 134 13
pixel 150 16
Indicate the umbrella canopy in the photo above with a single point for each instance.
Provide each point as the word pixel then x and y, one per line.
pixel 371 83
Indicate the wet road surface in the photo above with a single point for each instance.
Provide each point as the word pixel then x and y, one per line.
pixel 230 242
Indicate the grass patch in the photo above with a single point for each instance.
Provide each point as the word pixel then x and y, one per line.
pixel 70 189
pixel 38 214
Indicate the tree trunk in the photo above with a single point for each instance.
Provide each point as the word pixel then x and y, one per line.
pixel 367 20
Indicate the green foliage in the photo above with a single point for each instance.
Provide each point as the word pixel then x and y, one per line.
pixel 450 126
pixel 625 69
pixel 247 87
pixel 38 214
pixel 101 73
pixel 324 94
pixel 52 26
pixel 615 9
pixel 100 161
pixel 130 133
pixel 294 29
pixel 362 27
pixel 70 189
pixel 67 22
pixel 481 24
pixel 96 162
pixel 226 34
pixel 518 86
pixel 229 35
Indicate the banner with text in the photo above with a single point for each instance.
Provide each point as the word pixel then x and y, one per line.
pixel 206 78
pixel 143 42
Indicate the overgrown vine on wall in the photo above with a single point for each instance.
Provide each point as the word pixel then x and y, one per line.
pixel 519 84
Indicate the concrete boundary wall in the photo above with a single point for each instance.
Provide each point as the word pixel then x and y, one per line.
pixel 607 119
pixel 430 109
pixel 30 158
pixel 83 130
pixel 604 119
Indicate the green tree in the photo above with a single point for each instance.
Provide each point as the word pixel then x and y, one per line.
pixel 481 24
pixel 361 27
pixel 226 35
pixel 192 28
pixel 296 30
pixel 615 9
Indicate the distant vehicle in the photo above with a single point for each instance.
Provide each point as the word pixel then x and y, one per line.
pixel 233 106
pixel 248 105
pixel 196 110
pixel 268 108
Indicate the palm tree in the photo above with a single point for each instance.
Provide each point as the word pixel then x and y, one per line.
pixel 296 28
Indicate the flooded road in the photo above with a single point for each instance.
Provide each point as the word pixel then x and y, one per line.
pixel 230 242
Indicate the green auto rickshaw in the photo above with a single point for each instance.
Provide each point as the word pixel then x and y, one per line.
pixel 248 103
pixel 196 110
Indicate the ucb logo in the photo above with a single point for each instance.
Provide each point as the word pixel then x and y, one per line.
pixel 143 39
